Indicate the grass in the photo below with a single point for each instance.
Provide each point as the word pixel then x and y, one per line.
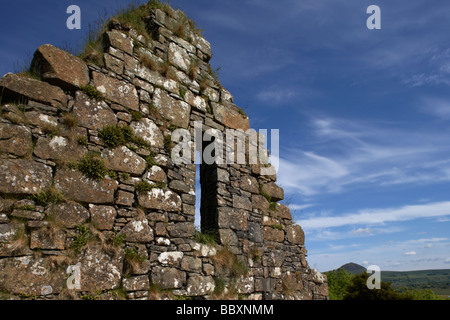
pixel 51 130
pixel 151 161
pixel 210 237
pixel 256 254
pixel 136 115
pixel 47 197
pixel 69 120
pixel 133 260
pixel 82 141
pixel 193 70
pixel 168 143
pixel 277 226
pixel 145 186
pixel 114 136
pixel 92 167
pixel 215 74
pixel 132 16
pixel 117 240
pixel 92 92
pixel 20 240
pixel 81 239
pixel 229 262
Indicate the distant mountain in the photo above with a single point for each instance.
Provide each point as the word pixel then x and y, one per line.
pixel 353 268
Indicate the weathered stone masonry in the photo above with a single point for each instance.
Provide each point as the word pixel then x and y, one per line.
pixel 131 242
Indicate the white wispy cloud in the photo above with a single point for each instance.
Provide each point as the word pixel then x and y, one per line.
pixel 379 216
pixel 293 207
pixel 344 154
pixel 437 107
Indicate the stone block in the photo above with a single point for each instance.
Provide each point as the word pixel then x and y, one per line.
pixel 103 216
pixel 30 275
pixel 260 202
pixel 124 160
pixel 118 40
pixel 74 185
pixel 171 258
pixel 47 238
pixel 160 200
pixel 125 198
pixel 15 87
pixel 149 132
pixel 191 264
pixel 295 234
pixel 181 230
pixel 139 283
pixel 59 148
pixel 273 234
pixel 179 57
pixel 100 270
pixel 15 139
pixel 250 184
pixel 92 114
pixel 242 203
pixel 60 68
pixel 200 285
pixel 20 176
pixel 138 230
pixel 117 91
pixel 176 111
pixel 155 174
pixel 168 278
pixel 69 214
pixel 272 190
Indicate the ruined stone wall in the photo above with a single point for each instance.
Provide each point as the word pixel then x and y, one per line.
pixel 87 180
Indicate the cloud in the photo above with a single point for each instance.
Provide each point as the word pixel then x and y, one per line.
pixel 437 107
pixel 410 253
pixel 300 207
pixel 277 95
pixel 362 231
pixel 379 216
pixel 346 154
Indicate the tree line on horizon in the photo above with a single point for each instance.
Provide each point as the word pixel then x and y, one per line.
pixel 343 285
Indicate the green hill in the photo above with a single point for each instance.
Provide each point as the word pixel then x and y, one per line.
pixel 436 280
pixel 353 268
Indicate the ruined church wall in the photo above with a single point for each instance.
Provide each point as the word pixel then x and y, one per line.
pixel 77 191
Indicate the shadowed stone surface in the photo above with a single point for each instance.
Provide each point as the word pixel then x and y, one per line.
pixel 15 87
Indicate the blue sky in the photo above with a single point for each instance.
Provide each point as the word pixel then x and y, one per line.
pixel 363 114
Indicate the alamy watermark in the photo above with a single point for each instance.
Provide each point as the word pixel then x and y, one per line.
pixel 374 280
pixel 211 146
pixel 74 280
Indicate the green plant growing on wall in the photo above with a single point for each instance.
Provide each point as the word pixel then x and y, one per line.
pixel 46 197
pixel 114 136
pixel 92 166
pixel 82 141
pixel 210 237
pixel 92 92
pixel 81 239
